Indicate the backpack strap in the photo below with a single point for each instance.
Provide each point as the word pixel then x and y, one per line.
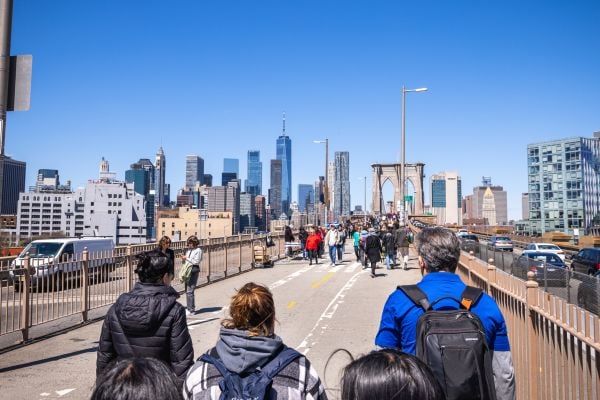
pixel 417 296
pixel 207 358
pixel 281 360
pixel 470 296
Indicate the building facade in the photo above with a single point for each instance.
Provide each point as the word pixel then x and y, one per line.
pixel 446 198
pixel 12 183
pixel 247 212
pixel 194 170
pixel 254 181
pixel 490 202
pixel 275 189
pixel 306 198
pixel 160 165
pixel 226 199
pixel 284 154
pixel 260 203
pixel 342 183
pixel 525 206
pixel 227 177
pixel 185 221
pixel 140 175
pixel 231 165
pixel 564 185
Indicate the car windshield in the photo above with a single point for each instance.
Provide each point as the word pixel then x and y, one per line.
pixel 41 249
pixel 548 247
pixel 504 238
pixel 469 237
pixel 547 258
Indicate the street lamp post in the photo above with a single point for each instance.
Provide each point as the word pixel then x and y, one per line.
pixel 403 161
pixel 365 199
pixel 325 189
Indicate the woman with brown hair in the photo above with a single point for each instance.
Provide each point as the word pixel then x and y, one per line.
pixel 193 255
pixel 164 245
pixel 246 348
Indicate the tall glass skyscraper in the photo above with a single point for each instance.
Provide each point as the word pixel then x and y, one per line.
pixel 306 198
pixel 275 189
pixel 341 183
pixel 284 153
pixel 194 170
pixel 231 165
pixel 254 181
pixel 160 165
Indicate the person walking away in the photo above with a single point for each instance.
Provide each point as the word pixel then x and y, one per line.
pixel 362 246
pixel 322 233
pixel 442 289
pixel 403 243
pixel 373 250
pixel 303 235
pixel 389 374
pixel 331 240
pixel 288 236
pixel 164 245
pixel 341 242
pixel 389 244
pixel 247 352
pixel 313 242
pixel 147 321
pixel 193 255
pixel 356 240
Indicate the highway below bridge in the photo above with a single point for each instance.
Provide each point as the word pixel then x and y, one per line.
pixel 320 308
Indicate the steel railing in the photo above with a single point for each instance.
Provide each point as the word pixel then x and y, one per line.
pixel 35 293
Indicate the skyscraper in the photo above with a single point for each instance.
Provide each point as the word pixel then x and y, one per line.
pixel 231 165
pixel 275 189
pixel 446 198
pixel 247 211
pixel 306 198
pixel 12 182
pixel 284 153
pixel 254 181
pixel 141 174
pixel 490 202
pixel 227 177
pixel 160 165
pixel 260 212
pixel 194 170
pixel 47 178
pixel 342 183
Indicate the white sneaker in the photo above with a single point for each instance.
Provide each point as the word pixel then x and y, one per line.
pixel 188 313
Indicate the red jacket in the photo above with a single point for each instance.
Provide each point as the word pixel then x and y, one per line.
pixel 313 241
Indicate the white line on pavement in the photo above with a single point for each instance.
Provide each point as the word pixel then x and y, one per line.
pixel 288 278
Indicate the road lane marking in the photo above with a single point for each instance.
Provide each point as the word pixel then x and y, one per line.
pixel 61 393
pixel 322 323
pixel 291 304
pixel 288 278
pixel 322 280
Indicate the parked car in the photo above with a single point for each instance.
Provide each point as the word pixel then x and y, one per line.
pixel 588 293
pixel 500 243
pixel 545 247
pixel 549 268
pixel 469 242
pixel 587 261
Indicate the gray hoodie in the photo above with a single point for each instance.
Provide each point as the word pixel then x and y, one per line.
pixel 241 352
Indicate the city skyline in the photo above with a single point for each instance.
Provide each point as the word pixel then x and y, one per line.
pixel 492 90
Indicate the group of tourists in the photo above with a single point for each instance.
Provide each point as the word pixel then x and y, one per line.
pixel 145 349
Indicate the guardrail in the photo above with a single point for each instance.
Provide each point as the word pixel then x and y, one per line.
pixel 34 294
pixel 555 345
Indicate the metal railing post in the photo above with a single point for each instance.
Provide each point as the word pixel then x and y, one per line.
pixel 129 265
pixel 491 276
pixel 85 261
pixel 25 310
pixel 209 266
pixel 226 255
pixel 533 366
pixel 240 246
pixel 471 261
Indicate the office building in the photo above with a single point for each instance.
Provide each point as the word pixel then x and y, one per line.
pixel 490 203
pixel 306 198
pixel 341 183
pixel 194 170
pixel 12 183
pixel 226 198
pixel 446 198
pixel 231 165
pixel 140 175
pixel 331 188
pixel 160 165
pixel 227 177
pixel 247 213
pixel 47 178
pixel 184 222
pixel 254 181
pixel 284 154
pixel 275 189
pixel 260 204
pixel 525 206
pixel 564 185
pixel 208 180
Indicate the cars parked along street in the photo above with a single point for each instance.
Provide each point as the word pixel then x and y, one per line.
pixel 545 247
pixel 549 268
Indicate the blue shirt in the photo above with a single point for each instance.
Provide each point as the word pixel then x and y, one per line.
pixel 399 318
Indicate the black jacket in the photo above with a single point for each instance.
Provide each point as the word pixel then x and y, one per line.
pixel 147 322
pixel 373 248
pixel 171 254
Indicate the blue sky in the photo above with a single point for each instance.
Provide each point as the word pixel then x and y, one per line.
pixel 118 79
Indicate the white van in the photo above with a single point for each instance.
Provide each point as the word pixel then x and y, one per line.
pixel 51 258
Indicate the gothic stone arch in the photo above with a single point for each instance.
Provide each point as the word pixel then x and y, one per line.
pixel 391 172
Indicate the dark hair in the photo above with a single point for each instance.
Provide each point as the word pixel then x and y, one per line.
pixel 389 374
pixel 152 266
pixel 440 249
pixel 164 240
pixel 137 379
pixel 252 309
pixel 193 240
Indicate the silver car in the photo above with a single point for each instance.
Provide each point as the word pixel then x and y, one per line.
pixel 503 243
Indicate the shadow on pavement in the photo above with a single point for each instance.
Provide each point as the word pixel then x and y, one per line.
pixel 49 359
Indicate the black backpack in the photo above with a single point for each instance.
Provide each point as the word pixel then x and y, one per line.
pixel 257 384
pixel 453 344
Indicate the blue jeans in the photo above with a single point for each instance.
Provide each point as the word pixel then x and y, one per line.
pixel 389 260
pixel 332 253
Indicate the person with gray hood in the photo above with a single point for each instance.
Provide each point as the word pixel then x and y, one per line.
pixel 147 321
pixel 247 343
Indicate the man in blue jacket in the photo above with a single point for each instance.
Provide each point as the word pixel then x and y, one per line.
pixel 439 253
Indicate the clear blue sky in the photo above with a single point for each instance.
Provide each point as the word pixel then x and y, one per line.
pixel 118 79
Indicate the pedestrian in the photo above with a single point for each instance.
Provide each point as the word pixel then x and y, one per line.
pixel 331 240
pixel 356 239
pixel 389 245
pixel 341 242
pixel 164 245
pixel 403 242
pixel 246 346
pixel 362 245
pixel 193 255
pixel 147 321
pixel 373 250
pixel 322 233
pixel 288 236
pixel 303 235
pixel 139 378
pixel 313 242
pixel 389 374
pixel 439 252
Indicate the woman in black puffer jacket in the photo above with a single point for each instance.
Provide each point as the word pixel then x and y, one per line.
pixel 148 321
